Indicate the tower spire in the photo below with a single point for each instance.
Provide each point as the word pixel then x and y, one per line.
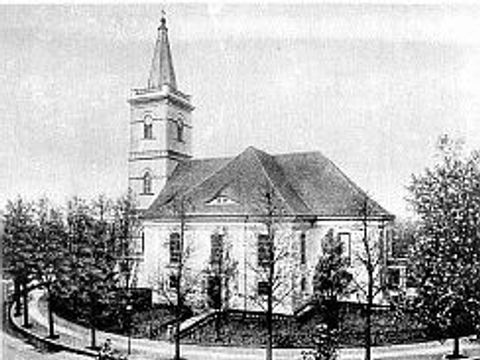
pixel 162 72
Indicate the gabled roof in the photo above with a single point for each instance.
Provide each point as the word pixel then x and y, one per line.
pixel 305 184
pixel 162 71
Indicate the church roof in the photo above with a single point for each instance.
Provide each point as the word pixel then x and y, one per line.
pixel 162 71
pixel 305 184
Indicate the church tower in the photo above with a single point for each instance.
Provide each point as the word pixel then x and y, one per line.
pixel 160 126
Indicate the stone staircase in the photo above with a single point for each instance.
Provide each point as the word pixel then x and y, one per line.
pixel 193 322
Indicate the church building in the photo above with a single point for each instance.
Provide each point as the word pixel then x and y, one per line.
pixel 219 220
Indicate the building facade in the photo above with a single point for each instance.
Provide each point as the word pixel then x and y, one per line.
pixel 218 221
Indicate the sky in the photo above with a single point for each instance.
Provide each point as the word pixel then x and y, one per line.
pixel 371 86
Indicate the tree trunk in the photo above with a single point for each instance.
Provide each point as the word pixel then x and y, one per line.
pixel 50 315
pixel 93 342
pixel 271 270
pixel 25 305
pixel 269 354
pixel 368 325
pixel 456 348
pixel 17 297
pixel 370 270
pixel 177 326
pixel 179 282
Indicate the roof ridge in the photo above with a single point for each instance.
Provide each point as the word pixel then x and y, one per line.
pixel 268 176
pixel 300 153
pixel 212 174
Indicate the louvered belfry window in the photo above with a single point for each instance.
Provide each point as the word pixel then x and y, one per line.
pixel 147 127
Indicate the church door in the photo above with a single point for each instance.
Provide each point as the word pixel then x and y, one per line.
pixel 214 292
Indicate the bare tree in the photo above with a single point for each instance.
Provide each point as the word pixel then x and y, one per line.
pixel 183 280
pixel 371 260
pixel 221 270
pixel 274 265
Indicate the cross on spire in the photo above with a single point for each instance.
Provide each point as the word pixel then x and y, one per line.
pixel 163 20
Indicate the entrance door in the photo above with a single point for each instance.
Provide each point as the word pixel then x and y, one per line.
pixel 214 292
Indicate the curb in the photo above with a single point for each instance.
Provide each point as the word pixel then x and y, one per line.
pixel 46 341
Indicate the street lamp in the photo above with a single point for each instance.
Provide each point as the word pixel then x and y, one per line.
pixel 49 277
pixel 129 309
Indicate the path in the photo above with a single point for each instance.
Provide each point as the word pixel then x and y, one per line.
pixel 150 349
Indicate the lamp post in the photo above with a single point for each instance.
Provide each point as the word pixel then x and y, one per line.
pixel 49 277
pixel 129 309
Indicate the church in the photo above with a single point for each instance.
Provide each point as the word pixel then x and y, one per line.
pixel 215 218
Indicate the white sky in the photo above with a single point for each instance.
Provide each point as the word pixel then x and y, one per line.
pixel 370 86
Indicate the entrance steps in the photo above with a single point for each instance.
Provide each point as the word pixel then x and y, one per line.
pixel 191 323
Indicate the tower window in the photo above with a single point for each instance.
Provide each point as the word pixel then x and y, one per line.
pixel 147 131
pixel 180 127
pixel 147 183
pixel 175 248
pixel 148 128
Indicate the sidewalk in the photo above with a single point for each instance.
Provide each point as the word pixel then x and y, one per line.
pixel 78 336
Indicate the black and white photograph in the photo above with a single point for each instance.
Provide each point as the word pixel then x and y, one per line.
pixel 229 181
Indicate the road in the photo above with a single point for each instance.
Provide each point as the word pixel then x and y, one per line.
pixel 17 349
pixel 144 349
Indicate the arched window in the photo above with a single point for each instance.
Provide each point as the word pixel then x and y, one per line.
pixel 147 183
pixel 180 126
pixel 148 127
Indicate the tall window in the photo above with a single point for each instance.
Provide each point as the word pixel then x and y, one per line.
pixel 173 282
pixel 393 278
pixel 262 288
pixel 216 249
pixel 303 248
pixel 265 250
pixel 175 248
pixel 303 284
pixel 148 128
pixel 147 183
pixel 347 246
pixel 180 127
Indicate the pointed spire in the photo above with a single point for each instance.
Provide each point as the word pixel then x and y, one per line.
pixel 162 65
